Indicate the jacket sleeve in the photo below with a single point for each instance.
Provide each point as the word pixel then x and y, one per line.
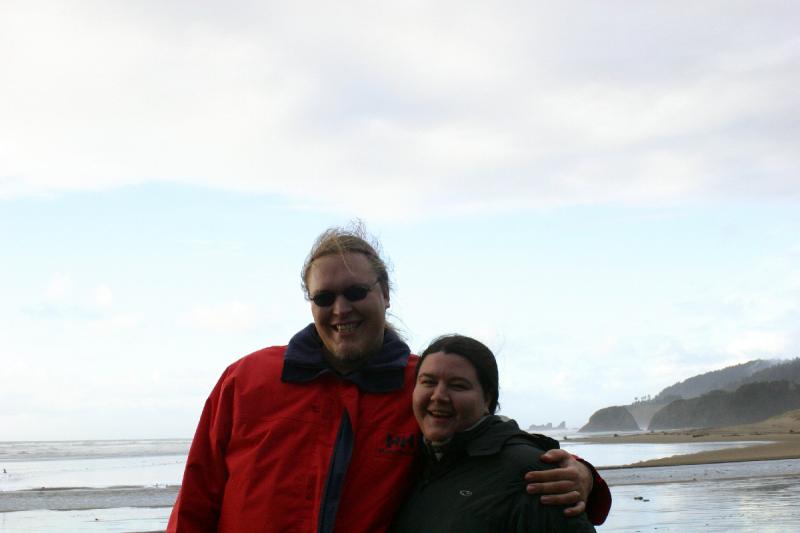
pixel 598 504
pixel 530 515
pixel 197 507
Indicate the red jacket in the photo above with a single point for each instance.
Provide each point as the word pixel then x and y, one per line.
pixel 286 445
pixel 270 432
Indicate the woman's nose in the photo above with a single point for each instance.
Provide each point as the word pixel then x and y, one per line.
pixel 439 393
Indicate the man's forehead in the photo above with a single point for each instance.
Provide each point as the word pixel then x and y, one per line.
pixel 353 266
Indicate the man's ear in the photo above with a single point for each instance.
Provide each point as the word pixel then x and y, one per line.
pixel 386 302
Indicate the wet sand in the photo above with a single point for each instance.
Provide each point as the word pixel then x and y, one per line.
pixel 73 499
pixel 780 436
pixel 747 503
pixel 753 488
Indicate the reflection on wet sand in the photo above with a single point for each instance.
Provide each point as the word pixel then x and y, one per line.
pixel 754 496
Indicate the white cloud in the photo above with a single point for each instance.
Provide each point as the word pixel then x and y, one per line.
pixel 102 296
pixel 65 298
pixel 229 317
pixel 759 343
pixel 59 289
pixel 442 108
pixel 111 325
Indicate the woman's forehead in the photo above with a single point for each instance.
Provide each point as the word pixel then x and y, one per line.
pixel 447 364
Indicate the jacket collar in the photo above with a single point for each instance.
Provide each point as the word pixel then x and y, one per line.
pixel 490 436
pixel 384 371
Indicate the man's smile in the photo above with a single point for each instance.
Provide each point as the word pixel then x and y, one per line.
pixel 347 327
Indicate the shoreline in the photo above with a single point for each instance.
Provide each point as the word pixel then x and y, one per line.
pixel 779 437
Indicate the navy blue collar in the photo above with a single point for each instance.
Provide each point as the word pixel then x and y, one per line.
pixel 304 362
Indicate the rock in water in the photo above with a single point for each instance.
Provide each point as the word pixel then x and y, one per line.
pixel 615 418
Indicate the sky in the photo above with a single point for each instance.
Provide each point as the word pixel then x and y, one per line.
pixel 607 194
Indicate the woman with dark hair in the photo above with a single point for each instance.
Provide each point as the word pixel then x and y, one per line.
pixel 471 479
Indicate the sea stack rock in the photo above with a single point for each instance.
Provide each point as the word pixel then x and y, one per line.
pixel 615 418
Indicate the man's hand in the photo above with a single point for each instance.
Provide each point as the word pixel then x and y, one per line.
pixel 569 484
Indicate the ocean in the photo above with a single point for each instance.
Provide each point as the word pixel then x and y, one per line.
pixel 98 486
pixel 130 486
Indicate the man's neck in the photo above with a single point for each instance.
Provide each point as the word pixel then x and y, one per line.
pixel 344 366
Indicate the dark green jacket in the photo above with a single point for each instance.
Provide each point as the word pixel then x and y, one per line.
pixel 478 486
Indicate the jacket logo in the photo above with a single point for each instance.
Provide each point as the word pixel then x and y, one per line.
pixel 465 492
pixel 400 441
pixel 399 444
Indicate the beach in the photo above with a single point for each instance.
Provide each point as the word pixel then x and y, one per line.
pixel 743 478
pixel 773 439
pixel 718 498
pixel 752 487
pixel 98 486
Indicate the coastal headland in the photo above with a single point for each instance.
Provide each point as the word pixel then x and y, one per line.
pixel 780 436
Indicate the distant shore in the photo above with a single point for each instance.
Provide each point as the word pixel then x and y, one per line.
pixel 780 436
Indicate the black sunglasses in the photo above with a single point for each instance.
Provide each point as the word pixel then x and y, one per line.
pixel 353 293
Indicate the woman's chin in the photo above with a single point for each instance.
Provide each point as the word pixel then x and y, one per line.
pixel 438 436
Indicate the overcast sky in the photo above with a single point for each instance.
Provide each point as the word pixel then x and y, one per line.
pixel 607 193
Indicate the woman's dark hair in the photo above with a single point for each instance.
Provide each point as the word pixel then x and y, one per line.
pixel 476 353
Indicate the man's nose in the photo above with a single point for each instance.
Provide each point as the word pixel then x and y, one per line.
pixel 341 305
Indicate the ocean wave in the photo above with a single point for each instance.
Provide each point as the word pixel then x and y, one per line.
pixel 12 451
